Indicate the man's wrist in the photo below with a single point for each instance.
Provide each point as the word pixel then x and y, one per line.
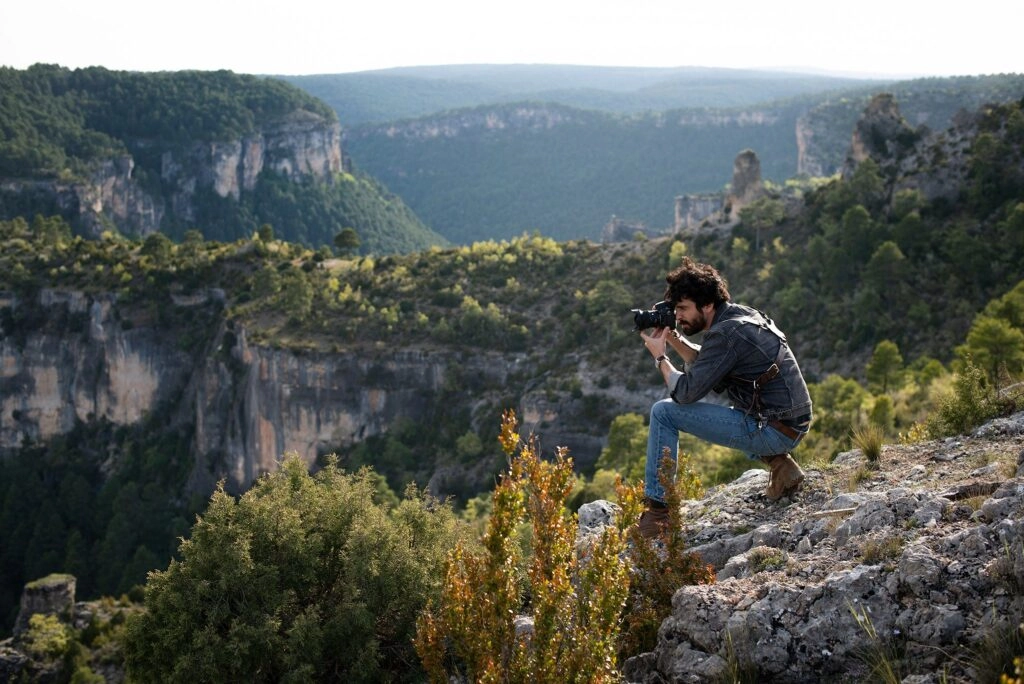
pixel 658 361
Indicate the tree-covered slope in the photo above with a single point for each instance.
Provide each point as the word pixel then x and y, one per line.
pixel 56 120
pixel 493 171
pixel 201 146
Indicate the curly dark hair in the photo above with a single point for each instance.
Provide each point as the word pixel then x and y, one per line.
pixel 701 283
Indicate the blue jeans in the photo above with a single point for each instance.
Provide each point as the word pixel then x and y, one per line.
pixel 713 423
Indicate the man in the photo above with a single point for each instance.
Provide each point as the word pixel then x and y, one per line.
pixel 742 353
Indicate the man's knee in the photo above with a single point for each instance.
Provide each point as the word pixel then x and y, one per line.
pixel 658 411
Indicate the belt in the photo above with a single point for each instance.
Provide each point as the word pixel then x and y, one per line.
pixel 789 430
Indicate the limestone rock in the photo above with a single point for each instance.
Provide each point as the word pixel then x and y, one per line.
pixel 51 595
pixel 808 586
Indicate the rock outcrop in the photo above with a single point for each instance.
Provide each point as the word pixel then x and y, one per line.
pixel 692 211
pixel 301 145
pixel 54 597
pixel 881 134
pixel 51 595
pixel 747 185
pixel 922 556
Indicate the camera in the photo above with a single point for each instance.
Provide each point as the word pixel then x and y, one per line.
pixel 663 315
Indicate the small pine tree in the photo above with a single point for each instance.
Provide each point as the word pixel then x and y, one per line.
pixel 575 599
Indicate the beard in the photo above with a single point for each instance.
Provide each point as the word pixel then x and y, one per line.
pixel 695 326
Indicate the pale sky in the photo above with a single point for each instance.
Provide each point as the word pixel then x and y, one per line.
pixel 870 37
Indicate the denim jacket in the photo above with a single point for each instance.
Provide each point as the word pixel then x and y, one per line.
pixel 740 344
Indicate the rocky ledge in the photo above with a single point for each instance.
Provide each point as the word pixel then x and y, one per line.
pixel 915 563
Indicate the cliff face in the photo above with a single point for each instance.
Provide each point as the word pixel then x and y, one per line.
pixel 101 372
pixel 302 145
pixel 266 402
pixel 245 405
pixel 474 120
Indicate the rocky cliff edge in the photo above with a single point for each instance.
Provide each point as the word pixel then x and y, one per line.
pixel 918 563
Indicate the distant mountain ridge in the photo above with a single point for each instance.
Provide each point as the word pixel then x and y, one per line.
pixel 409 92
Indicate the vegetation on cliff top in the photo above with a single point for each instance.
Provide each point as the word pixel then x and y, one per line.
pixel 58 121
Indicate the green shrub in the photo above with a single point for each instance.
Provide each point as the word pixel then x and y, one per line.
pixel 972 402
pixel 303 578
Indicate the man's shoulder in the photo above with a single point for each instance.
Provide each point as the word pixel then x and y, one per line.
pixel 736 316
pixel 731 315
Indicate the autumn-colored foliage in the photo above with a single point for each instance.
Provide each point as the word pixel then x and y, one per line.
pixel 660 568
pixel 589 603
pixel 575 599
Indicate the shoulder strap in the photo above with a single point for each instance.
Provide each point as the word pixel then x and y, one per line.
pixel 772 372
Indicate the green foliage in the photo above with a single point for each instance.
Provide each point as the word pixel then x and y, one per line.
pixel 762 214
pixel 314 213
pixel 302 578
pixel 996 346
pixel 869 438
pixel 996 338
pixel 626 451
pixel 47 637
pixel 64 507
pixel 838 408
pixel 575 600
pixel 347 241
pixel 886 363
pixel 883 413
pixel 972 402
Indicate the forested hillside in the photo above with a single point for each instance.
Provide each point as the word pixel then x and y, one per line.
pixel 216 151
pixel 494 171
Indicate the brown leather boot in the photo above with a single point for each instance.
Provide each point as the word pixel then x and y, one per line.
pixel 653 522
pixel 784 476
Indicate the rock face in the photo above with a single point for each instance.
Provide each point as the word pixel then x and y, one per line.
pixel 922 556
pixel 720 211
pixel 52 595
pixel 50 381
pixel 881 134
pixel 247 404
pixel 301 145
pixel 691 211
pixel 935 165
pixel 746 180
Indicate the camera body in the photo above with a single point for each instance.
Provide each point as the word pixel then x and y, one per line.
pixel 663 315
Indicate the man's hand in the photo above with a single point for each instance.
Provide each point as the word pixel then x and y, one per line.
pixel 657 341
